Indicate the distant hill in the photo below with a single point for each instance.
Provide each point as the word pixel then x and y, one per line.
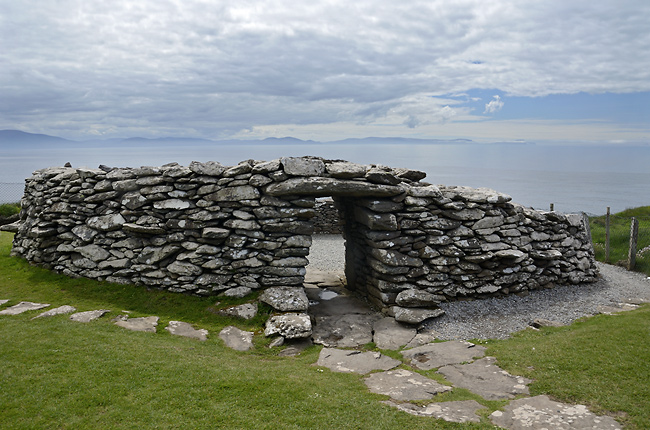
pixel 401 140
pixel 17 136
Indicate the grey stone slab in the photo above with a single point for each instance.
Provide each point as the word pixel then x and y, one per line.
pixel 237 292
pixel 246 311
pixel 289 326
pixel 463 411
pixel 285 299
pixel 237 339
pixel 146 324
pixel 180 328
pixel 537 413
pixel 344 331
pixel 3 301
pixel 61 310
pixel 402 384
pixel 436 355
pixel 486 379
pixel 353 361
pixel 390 334
pixel 609 310
pixel 23 307
pixel 415 315
pixel 422 339
pixel 88 316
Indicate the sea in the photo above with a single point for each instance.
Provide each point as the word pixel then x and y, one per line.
pixel 573 177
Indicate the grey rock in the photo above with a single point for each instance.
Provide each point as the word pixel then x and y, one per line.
pixel 425 191
pixel 3 301
pixel 539 412
pixel 300 166
pixel 94 252
pixel 463 411
pixel 344 331
pixel 379 176
pixel 352 361
pixel 413 298
pixel 323 187
pixel 180 328
pixel 88 316
pixel 422 339
pixel 484 378
pixel 143 229
pixel 183 268
pixel 540 322
pixel 237 339
pixel 172 204
pixel 146 324
pixel 285 298
pixel 237 292
pixel 84 232
pixel 215 233
pixel 346 170
pixel 394 258
pixel 23 307
pixel 210 168
pixel 246 311
pixel 402 384
pixel 106 222
pixel 390 334
pixel 234 194
pixel 436 355
pixel 415 315
pixel 289 326
pixel 61 310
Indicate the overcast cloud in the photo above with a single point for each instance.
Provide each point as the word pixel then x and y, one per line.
pixel 321 70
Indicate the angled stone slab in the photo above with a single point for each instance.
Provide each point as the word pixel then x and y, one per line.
pixel 88 316
pixel 285 298
pixel 352 361
pixel 180 328
pixel 405 385
pixel 23 307
pixel 486 379
pixel 146 324
pixel 237 339
pixel 540 412
pixel 610 310
pixel 2 302
pixel 415 315
pixel 390 334
pixel 344 331
pixel 456 412
pixel 61 310
pixel 436 355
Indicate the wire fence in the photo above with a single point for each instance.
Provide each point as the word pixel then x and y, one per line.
pixel 612 245
pixel 11 192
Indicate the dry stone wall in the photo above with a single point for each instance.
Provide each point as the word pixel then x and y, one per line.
pixel 206 228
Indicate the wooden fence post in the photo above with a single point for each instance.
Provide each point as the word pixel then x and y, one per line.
pixel 552 207
pixel 634 235
pixel 607 237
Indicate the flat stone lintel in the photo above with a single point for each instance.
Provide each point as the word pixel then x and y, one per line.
pixel 323 187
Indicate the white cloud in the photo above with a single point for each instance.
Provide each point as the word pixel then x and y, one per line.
pixel 214 68
pixel 495 105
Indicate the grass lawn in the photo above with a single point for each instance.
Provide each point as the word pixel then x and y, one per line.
pixel 619 241
pixel 56 373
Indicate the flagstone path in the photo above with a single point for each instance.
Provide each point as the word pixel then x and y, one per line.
pixel 344 322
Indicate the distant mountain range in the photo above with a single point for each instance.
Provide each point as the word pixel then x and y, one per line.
pixel 21 137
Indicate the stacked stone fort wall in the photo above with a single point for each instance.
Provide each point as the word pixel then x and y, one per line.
pixel 206 228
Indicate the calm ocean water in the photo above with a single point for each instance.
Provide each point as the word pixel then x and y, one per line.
pixel 573 178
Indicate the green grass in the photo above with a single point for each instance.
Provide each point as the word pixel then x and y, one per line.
pixel 602 362
pixel 620 237
pixel 8 209
pixel 56 373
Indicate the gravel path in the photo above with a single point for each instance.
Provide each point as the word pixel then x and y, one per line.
pixel 497 318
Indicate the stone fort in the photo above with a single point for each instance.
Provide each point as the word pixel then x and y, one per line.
pixel 208 228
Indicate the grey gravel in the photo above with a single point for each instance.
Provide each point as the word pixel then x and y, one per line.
pixel 497 318
pixel 327 252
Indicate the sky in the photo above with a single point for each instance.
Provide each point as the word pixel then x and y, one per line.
pixel 326 70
